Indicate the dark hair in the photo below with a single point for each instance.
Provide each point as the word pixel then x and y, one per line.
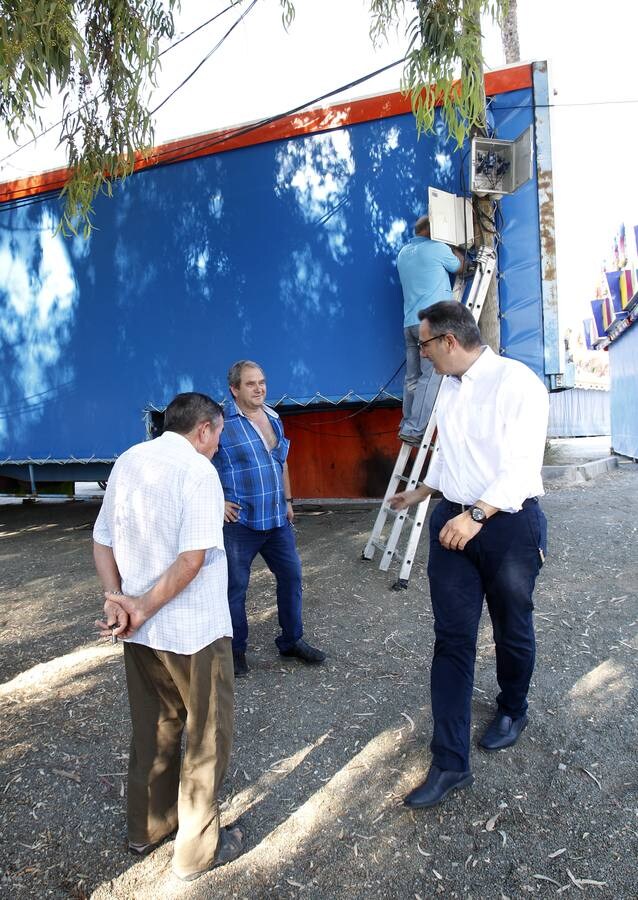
pixel 185 411
pixel 422 226
pixel 234 373
pixel 451 317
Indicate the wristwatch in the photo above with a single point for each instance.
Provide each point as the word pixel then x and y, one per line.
pixel 478 515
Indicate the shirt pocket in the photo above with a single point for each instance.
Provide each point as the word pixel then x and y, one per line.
pixel 480 422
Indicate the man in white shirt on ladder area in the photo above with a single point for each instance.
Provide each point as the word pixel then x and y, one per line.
pixel 488 537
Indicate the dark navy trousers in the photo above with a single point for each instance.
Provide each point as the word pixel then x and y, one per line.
pixel 278 548
pixel 499 565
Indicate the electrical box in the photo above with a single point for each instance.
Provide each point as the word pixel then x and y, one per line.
pixel 501 167
pixel 451 219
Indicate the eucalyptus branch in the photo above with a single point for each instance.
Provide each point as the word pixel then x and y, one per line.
pixel 444 58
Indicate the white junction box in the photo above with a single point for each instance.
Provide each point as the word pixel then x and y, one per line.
pixel 451 218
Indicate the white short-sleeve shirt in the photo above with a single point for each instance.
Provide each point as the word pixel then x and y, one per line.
pixel 164 498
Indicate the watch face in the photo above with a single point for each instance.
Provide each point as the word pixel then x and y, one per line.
pixel 477 514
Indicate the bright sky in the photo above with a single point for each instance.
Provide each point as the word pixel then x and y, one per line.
pixel 260 69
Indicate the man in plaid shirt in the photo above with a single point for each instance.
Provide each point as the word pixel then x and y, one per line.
pixel 258 514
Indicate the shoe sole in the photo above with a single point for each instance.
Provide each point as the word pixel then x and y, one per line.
pixel 309 662
pixel 455 787
pixel 503 746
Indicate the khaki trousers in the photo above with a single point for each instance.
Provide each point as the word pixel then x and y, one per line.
pixel 170 692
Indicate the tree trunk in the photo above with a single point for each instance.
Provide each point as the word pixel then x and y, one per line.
pixel 509 35
pixel 489 323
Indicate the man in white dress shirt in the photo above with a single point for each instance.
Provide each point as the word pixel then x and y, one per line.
pixel 159 553
pixel 487 537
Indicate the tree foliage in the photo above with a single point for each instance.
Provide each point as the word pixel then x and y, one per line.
pixel 103 57
pixel 444 59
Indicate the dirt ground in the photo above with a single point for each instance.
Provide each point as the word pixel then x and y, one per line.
pixel 323 756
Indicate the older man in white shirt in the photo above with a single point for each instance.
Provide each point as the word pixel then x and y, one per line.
pixel 487 536
pixel 159 553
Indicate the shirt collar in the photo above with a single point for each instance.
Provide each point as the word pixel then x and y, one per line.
pixel 482 363
pixel 231 410
pixel 172 437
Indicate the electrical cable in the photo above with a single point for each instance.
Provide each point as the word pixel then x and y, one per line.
pixel 200 143
pixel 188 148
pixel 206 58
pixel 357 412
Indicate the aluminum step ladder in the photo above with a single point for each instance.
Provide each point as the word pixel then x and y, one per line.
pixel 400 478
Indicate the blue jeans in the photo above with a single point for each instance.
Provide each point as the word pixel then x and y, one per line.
pixel 279 551
pixel 500 564
pixel 420 387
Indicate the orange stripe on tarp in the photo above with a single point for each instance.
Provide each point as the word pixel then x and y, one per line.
pixel 312 121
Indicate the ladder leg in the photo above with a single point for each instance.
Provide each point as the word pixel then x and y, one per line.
pixel 393 486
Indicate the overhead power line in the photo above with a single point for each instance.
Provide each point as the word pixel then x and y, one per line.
pixel 163 53
pixel 206 58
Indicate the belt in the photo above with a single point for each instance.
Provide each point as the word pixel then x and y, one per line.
pixel 462 507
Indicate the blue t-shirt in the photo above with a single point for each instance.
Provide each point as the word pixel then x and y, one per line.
pixel 423 267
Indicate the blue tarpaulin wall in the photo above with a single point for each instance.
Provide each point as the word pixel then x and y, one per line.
pixel 623 370
pixel 281 252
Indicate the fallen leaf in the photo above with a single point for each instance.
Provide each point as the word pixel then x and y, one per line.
pixel 592 776
pixel 546 878
pixel 72 775
pixel 412 725
pixel 557 853
pixel 575 880
pixel 489 825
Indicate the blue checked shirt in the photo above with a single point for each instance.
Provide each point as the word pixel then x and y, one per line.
pixel 251 475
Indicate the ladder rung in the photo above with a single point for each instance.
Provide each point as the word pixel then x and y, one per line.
pixel 418 482
pixel 378 545
pixel 397 512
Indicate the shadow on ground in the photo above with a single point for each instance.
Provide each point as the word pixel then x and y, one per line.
pixel 324 755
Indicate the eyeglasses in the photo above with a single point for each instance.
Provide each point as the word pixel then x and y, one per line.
pixel 421 344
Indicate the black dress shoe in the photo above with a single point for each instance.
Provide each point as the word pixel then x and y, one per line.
pixel 239 664
pixel 503 731
pixel 303 650
pixel 436 787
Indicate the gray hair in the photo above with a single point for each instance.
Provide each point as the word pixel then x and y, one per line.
pixel 234 373
pixel 186 411
pixel 451 317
